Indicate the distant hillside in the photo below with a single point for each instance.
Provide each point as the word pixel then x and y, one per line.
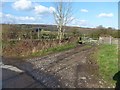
pixel 51 27
pixel 92 32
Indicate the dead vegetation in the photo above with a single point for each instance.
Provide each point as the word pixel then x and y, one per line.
pixel 27 47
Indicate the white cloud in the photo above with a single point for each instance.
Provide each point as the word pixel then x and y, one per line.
pixel 83 22
pixel 19 18
pixel 79 22
pixel 28 5
pixel 25 18
pixel 42 9
pixel 8 18
pixel 105 15
pixel 22 5
pixel 52 9
pixel 84 10
pixel 1 14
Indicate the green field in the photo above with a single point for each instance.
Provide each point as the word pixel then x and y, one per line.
pixel 107 58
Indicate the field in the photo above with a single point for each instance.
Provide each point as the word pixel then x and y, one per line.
pixel 42 57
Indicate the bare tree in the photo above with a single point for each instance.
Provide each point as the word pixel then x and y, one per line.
pixel 62 16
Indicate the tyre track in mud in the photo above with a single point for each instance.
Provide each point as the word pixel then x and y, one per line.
pixel 59 59
pixel 63 69
pixel 66 60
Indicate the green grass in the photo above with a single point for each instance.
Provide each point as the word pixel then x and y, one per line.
pixel 58 48
pixel 107 57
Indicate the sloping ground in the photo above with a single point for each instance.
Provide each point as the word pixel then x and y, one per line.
pixel 71 69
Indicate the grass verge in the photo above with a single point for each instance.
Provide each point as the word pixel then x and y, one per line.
pixel 107 58
pixel 58 48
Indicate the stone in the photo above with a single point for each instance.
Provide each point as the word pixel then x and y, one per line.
pixel 83 78
pixel 100 82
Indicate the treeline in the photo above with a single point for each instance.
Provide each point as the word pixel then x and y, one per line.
pixel 24 40
pixel 105 32
pixel 15 31
pixel 18 31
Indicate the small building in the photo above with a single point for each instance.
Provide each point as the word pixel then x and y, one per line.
pixel 107 39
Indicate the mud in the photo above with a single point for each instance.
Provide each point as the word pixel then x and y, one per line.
pixel 68 69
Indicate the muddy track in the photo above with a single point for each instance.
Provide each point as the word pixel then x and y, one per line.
pixel 60 59
pixel 66 62
pixel 65 69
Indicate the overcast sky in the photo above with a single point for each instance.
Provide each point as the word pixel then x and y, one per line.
pixel 85 14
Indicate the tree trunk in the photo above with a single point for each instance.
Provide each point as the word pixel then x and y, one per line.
pixel 60 34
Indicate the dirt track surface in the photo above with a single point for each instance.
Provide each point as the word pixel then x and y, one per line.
pixel 69 69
